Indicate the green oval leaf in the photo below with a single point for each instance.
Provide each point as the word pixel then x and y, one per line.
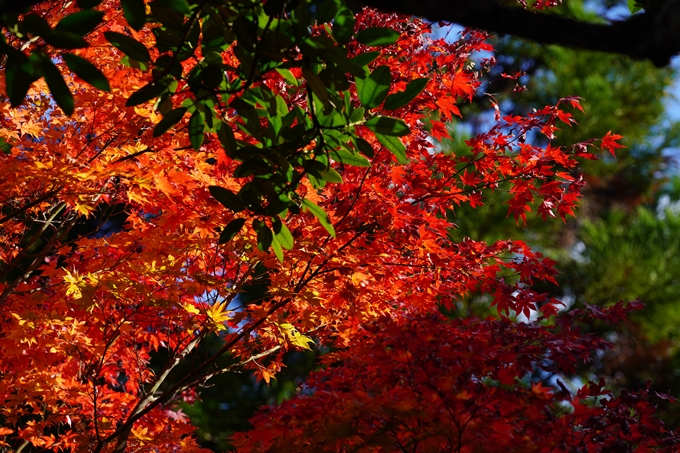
pixel 316 85
pixel 170 119
pixel 129 46
pixel 378 36
pixel 226 136
pixel 388 126
pixel 196 129
pixel 365 58
pixel 231 230
pixel 60 92
pixel 134 12
pixel 282 234
pixel 331 175
pixel 278 251
pixel 19 74
pixel 81 23
pixel 395 146
pixel 227 198
pixel 5 146
pixel 402 98
pixel 180 6
pixel 364 147
pixel 343 25
pixel 36 25
pixel 373 89
pixel 146 93
pixel 264 235
pixel 86 71
pixel 320 214
pixel 63 39
pixel 288 76
pixel 346 158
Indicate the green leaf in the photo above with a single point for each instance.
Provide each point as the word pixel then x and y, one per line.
pixel 134 12
pixel 170 119
pixel 282 234
pixel 86 71
pixel 129 46
pixel 196 129
pixel 181 6
pixel 60 92
pixel 146 93
pixel 132 63
pixel 345 157
pixel 81 23
pixel 276 246
pixel 5 146
pixel 264 235
pixel 326 10
pixel 63 39
pixel 320 214
pixel 395 146
pixel 288 76
pixel 634 6
pixel 343 25
pixel 377 36
pixel 373 89
pixel 365 58
pixel 36 25
pixel 316 85
pixel 402 98
pixel 20 74
pixel 231 230
pixel 331 175
pixel 364 147
pixel 226 135
pixel 388 126
pixel 228 198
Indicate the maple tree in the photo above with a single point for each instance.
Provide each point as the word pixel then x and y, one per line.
pixel 285 143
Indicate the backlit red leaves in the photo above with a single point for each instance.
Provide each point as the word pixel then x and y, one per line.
pixel 431 384
pixel 609 142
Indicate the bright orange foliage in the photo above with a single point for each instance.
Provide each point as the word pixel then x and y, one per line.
pixel 82 310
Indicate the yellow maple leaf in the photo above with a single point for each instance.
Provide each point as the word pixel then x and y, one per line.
pixel 73 280
pixel 219 314
pixel 141 434
pixel 294 337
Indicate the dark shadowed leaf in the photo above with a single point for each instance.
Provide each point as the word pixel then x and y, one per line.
pixel 343 26
pixel 231 230
pixel 196 129
pixel 377 36
pixel 170 119
pixel 228 198
pixel 388 126
pixel 402 98
pixel 60 92
pixel 134 12
pixel 86 71
pixel 82 22
pixel 146 93
pixel 129 46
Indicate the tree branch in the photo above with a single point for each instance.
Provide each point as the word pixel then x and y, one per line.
pixel 650 35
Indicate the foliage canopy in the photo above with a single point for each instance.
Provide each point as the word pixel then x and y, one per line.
pixel 280 144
